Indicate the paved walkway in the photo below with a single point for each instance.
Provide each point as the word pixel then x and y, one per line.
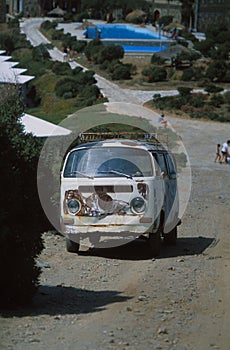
pixel 31 28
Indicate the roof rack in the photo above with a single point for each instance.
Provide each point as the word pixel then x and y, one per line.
pixel 154 138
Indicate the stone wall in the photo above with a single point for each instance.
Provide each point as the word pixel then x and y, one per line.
pixel 167 8
pixel 31 8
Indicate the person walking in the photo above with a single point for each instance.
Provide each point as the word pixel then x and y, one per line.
pixel 65 54
pixel 225 151
pixel 162 120
pixel 218 156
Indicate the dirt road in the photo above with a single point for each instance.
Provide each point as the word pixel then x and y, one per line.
pixel 121 298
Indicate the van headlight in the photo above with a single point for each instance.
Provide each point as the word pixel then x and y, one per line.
pixel 137 205
pixel 74 206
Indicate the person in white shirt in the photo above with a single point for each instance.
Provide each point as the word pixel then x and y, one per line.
pixel 225 151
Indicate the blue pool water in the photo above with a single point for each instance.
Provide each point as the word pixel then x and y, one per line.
pixel 132 39
pixel 149 49
pixel 125 31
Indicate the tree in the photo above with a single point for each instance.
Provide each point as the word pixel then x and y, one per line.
pixel 110 52
pixel 21 216
pixel 187 11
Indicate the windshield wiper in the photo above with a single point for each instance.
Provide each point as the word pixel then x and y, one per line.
pixel 79 173
pixel 115 172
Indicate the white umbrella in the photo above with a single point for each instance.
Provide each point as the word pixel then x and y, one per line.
pixel 56 12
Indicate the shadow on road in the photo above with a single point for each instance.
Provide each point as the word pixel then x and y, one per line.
pixel 139 250
pixel 60 300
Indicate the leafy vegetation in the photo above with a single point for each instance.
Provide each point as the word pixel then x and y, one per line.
pixel 21 216
pixel 196 105
pixel 48 100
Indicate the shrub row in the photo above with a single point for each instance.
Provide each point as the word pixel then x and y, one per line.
pixel 195 105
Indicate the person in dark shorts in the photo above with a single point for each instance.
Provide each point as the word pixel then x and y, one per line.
pixel 218 156
pixel 225 152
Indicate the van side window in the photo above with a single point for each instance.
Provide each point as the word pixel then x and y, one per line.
pixel 170 165
pixel 160 161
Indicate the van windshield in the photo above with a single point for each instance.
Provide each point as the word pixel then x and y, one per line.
pixel 108 162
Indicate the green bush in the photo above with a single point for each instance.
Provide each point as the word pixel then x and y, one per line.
pixel 146 71
pixel 66 85
pixel 65 88
pixel 170 102
pixel 47 25
pixel 205 46
pixel 217 100
pixel 75 84
pixel 196 115
pixel 58 34
pixel 7 42
pixel 220 51
pixel 155 74
pixel 157 59
pixel 211 88
pixel 212 115
pixel 121 72
pixel 188 55
pixel 197 101
pixel 61 68
pixel 217 71
pixel 89 92
pixel 40 53
pixel 13 23
pixel 79 45
pixel 77 70
pixel 110 52
pixel 226 97
pixel 21 216
pixel 20 41
pixel 184 91
pixel 85 78
pixel 112 65
pixel 156 96
pixel 104 65
pixel 188 74
pixel 93 48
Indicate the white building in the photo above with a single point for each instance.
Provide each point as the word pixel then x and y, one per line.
pixel 11 75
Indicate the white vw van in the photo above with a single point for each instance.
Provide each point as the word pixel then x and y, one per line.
pixel 116 190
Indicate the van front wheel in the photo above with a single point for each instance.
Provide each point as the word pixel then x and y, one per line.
pixel 72 247
pixel 155 243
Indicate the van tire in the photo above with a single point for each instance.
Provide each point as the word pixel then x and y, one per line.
pixel 155 243
pixel 72 247
pixel 171 237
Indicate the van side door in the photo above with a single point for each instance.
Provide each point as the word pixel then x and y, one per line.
pixel 168 173
pixel 172 212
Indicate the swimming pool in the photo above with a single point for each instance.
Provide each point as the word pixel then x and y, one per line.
pixel 132 39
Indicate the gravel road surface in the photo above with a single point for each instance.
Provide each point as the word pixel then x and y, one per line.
pixel 122 298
